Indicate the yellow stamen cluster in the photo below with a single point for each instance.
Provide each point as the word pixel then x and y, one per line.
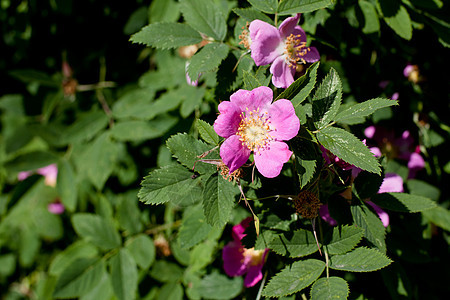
pixel 295 50
pixel 256 255
pixel 245 37
pixel 254 130
pixel 307 204
pixel 225 172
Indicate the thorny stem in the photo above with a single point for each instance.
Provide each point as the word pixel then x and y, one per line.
pixel 324 250
pixel 313 223
pixel 239 60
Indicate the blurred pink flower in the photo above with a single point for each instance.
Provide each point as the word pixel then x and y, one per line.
pixel 397 147
pixel 238 260
pixel 284 48
pixel 56 207
pixel 50 173
pixel 250 122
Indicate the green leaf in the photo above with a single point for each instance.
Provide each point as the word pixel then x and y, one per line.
pixel 251 81
pixel 294 278
pixel 329 288
pixel 187 150
pixel 128 213
pixel 360 110
pixel 30 76
pixel 306 155
pixel 137 130
pixel 102 291
pixel 294 244
pixel 79 249
pixel 403 202
pixel 438 216
pixel 344 239
pixel 167 35
pixel 30 161
pixel 371 22
pixel 98 159
pixel 142 248
pixel 85 128
pixel 374 230
pixel 164 11
pixel 7 265
pixel 202 255
pixel 288 7
pixel 368 184
pixel 79 278
pixel 401 23
pixel 165 271
pixel 124 275
pixel 424 189
pixel 96 230
pixel 348 148
pixel 172 182
pixel 267 6
pixel 327 99
pixel 360 260
pixel 67 185
pixel 204 16
pixel 172 291
pixel 302 87
pixel 218 286
pixel 207 59
pixel 207 132
pixel 194 227
pixel 218 200
pixel 191 99
pixel 250 14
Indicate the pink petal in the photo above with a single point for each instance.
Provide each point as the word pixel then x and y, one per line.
pixel 312 55
pixel 56 208
pixel 407 70
pixel 384 217
pixel 239 229
pixel 50 173
pixel 375 151
pixel 23 175
pixel 234 262
pixel 284 120
pixel 415 163
pixel 233 154
pixel 324 213
pixel 391 183
pixel 369 132
pixel 288 25
pixel 254 275
pixel 283 75
pixel 269 162
pixel 265 41
pixel 260 97
pixel 227 122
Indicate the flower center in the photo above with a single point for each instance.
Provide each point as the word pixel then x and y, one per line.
pixel 256 256
pixel 295 50
pixel 254 130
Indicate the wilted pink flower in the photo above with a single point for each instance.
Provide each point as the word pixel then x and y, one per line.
pixel 238 260
pixel 56 207
pixel 250 122
pixel 284 48
pixel 50 173
pixel 397 147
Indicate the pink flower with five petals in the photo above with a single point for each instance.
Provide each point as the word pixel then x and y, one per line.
pixel 284 48
pixel 250 122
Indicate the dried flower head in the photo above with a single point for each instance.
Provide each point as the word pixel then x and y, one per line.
pixel 225 172
pixel 307 204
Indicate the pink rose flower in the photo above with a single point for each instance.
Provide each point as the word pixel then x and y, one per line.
pixel 397 147
pixel 250 122
pixel 284 48
pixel 238 260
pixel 50 173
pixel 56 207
